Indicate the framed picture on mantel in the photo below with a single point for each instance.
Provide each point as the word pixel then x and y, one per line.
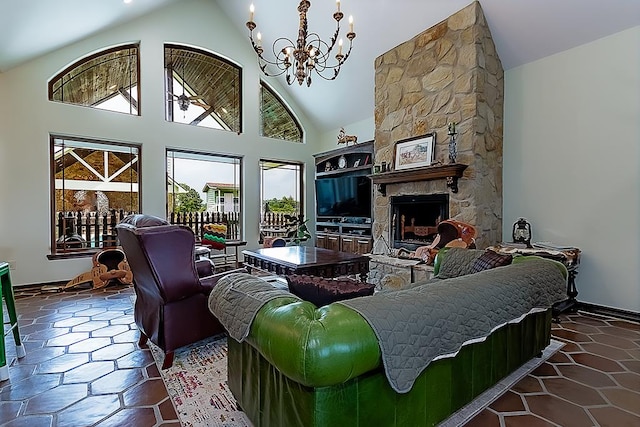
pixel 415 152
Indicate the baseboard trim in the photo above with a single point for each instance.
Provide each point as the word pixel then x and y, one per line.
pixel 609 311
pixel 30 286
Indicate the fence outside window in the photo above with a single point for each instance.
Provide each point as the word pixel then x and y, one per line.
pixel 89 231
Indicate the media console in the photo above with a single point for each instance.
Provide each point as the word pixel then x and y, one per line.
pixel 344 198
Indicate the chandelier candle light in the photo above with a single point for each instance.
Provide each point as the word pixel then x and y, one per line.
pixel 309 53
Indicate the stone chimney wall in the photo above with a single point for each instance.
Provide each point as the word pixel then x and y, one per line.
pixel 448 73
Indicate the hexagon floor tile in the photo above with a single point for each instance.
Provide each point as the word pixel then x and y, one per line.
pixel 83 363
pixel 84 367
pixel 592 381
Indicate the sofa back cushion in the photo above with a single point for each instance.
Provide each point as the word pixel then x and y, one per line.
pixel 321 291
pixel 491 259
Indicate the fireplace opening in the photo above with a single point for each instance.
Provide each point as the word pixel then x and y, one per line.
pixel 414 219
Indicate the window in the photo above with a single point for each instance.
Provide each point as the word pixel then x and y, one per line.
pixel 202 89
pixel 205 188
pixel 277 120
pixel 107 80
pixel 94 185
pixel 281 185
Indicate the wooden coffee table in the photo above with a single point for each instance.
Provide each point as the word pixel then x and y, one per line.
pixel 307 260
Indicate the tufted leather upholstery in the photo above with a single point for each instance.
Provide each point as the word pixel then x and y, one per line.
pixel 171 297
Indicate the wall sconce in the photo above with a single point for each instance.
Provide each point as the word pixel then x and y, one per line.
pixel 522 232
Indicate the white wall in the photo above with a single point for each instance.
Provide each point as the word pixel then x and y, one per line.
pixel 27 118
pixel 572 160
pixel 364 130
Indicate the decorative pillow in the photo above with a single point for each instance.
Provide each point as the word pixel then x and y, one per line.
pixel 214 236
pixel 491 259
pixel 321 291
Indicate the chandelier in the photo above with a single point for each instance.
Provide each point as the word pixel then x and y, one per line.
pixel 297 61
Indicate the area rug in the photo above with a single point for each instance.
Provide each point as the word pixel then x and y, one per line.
pixel 197 384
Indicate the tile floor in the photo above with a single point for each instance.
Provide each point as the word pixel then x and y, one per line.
pixel 84 368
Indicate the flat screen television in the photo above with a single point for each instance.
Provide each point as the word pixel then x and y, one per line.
pixel 346 195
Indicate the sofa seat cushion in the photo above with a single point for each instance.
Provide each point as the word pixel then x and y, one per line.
pixel 490 259
pixel 321 291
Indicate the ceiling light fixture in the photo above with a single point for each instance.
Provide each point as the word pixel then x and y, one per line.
pixel 309 53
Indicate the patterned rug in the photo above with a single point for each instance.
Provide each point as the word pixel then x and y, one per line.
pixel 197 384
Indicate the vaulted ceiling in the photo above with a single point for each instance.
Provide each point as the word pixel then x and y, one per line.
pixel 523 31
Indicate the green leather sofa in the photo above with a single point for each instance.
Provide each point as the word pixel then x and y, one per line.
pixel 306 366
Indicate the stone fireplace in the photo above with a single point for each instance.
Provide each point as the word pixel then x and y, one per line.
pixel 448 73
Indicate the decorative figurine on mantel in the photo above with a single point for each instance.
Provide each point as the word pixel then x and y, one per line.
pixel 343 138
pixel 453 152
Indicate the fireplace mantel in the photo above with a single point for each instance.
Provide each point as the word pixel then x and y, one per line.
pixel 451 172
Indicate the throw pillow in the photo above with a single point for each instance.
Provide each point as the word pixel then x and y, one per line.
pixel 214 236
pixel 491 259
pixel 321 291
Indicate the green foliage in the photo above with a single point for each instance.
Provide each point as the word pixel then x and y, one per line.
pixel 285 205
pixel 189 201
pixel 297 229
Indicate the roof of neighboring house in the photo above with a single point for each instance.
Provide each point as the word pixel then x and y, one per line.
pixel 174 187
pixel 218 186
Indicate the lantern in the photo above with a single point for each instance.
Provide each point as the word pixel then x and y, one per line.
pixel 522 232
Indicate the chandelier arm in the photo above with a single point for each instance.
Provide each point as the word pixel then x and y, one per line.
pixel 321 47
pixel 335 68
pixel 334 38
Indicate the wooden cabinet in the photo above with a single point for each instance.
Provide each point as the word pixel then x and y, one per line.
pixel 345 233
pixel 356 244
pixel 328 241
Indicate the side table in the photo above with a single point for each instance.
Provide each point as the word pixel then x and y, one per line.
pixel 570 257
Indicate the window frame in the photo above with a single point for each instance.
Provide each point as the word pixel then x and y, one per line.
pixel 287 108
pixel 169 115
pixel 205 154
pixel 79 62
pixel 55 253
pixel 300 186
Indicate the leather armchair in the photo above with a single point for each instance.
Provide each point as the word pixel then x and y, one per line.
pixel 171 296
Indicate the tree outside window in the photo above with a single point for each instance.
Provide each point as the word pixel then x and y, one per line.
pixel 281 197
pixel 203 184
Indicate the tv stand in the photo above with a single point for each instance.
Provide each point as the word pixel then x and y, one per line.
pixel 343 233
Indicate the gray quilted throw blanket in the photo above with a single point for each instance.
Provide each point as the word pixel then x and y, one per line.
pixel 237 298
pixel 416 325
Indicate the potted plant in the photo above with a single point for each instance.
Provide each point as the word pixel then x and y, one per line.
pixel 297 230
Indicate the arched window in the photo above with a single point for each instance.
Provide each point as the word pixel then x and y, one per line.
pixel 107 80
pixel 277 119
pixel 202 89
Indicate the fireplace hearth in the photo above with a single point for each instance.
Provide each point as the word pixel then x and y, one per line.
pixel 415 218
